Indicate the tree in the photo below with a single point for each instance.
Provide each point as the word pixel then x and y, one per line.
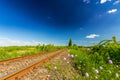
pixel 114 39
pixel 70 43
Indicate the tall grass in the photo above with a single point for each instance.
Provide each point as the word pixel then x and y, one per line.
pixel 18 51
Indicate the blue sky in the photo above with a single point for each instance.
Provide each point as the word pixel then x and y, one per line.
pixel 29 22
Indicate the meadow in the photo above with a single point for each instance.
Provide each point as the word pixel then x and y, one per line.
pixel 19 51
pixel 99 62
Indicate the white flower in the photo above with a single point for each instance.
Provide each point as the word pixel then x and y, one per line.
pixel 110 61
pixel 68 62
pixel 72 56
pixel 117 75
pixel 64 58
pixel 101 67
pixel 55 67
pixel 87 74
pixel 96 71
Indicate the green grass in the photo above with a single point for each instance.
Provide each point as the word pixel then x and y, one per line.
pixel 101 61
pixel 18 51
pixel 88 63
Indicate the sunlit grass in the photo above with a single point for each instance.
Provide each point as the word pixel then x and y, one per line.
pixel 94 67
pixel 18 51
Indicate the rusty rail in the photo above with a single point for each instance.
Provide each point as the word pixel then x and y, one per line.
pixel 17 75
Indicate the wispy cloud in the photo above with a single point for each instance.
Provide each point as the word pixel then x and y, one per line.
pixel 92 36
pixel 112 11
pixel 86 1
pixel 10 42
pixel 116 2
pixel 81 28
pixel 97 2
pixel 103 1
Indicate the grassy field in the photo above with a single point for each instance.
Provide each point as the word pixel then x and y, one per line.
pixel 100 62
pixel 18 51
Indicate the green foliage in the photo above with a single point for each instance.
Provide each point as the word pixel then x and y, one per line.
pixel 108 48
pixel 90 60
pixel 88 63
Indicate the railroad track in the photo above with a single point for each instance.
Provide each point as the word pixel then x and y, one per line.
pixel 20 58
pixel 15 64
pixel 21 72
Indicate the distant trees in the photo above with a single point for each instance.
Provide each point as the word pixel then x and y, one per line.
pixel 74 45
pixel 70 42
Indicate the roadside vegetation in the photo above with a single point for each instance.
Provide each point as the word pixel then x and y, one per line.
pixel 19 51
pixel 99 62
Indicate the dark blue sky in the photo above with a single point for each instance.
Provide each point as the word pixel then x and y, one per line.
pixel 55 21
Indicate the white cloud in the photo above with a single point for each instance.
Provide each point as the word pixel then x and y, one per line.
pixel 10 42
pixel 112 11
pixel 86 1
pixel 116 2
pixel 92 36
pixel 104 1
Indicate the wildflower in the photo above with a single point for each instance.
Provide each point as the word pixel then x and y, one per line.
pixel 55 67
pixel 64 58
pixel 117 75
pixel 101 67
pixel 87 74
pixel 68 62
pixel 96 71
pixel 72 56
pixel 110 61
